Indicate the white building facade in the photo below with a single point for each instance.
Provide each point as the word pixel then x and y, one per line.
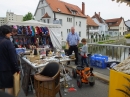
pixel 10 16
pixel 103 27
pixel 2 21
pixel 46 13
pixel 92 27
pixel 117 26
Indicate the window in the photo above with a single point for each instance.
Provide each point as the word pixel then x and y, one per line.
pixel 69 30
pixel 61 34
pixel 76 23
pixel 42 11
pixel 73 12
pixel 44 21
pixel 110 33
pixel 60 21
pixel 42 1
pixel 12 19
pixel 79 24
pixel 69 19
pixel 120 28
pixel 48 20
pixel 79 33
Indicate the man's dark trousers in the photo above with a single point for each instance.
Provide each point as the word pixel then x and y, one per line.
pixel 75 49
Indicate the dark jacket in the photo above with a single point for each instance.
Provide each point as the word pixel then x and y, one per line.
pixel 8 57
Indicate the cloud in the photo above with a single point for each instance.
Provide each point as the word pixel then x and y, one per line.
pixel 107 8
pixel 20 7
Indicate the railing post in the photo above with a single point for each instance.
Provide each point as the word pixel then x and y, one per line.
pixel 124 53
pixel 112 52
pixel 116 53
pixel 120 53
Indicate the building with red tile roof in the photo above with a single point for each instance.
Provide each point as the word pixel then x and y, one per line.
pixel 116 26
pixel 92 27
pixel 90 22
pixel 103 27
pixel 66 14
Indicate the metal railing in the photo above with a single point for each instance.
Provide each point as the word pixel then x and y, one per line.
pixel 114 52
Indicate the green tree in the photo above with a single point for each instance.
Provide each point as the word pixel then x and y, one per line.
pixel 28 16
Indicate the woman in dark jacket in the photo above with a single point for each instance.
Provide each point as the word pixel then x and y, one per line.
pixel 8 60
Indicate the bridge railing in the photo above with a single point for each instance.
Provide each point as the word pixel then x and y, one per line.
pixel 114 52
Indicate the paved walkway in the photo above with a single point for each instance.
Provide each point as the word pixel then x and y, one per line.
pixel 100 89
pixel 102 74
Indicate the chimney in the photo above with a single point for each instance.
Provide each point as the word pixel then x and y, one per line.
pixel 95 13
pixel 99 14
pixel 83 8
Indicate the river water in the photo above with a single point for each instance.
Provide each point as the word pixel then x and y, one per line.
pixel 114 53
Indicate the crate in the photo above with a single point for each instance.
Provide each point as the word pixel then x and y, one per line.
pixel 92 61
pixel 102 56
pixel 99 61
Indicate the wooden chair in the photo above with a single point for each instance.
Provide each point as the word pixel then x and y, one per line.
pixel 47 83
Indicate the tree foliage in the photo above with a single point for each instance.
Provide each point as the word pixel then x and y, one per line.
pixel 28 16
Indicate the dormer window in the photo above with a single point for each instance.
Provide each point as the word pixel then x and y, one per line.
pixel 73 12
pixel 71 9
pixel 42 1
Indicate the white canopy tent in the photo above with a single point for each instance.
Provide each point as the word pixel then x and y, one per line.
pixel 54 30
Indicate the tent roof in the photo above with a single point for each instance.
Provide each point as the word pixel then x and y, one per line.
pixel 33 23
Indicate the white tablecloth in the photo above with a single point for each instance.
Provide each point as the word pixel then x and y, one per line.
pixel 51 59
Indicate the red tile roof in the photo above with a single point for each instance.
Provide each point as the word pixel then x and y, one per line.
pixel 114 22
pixel 64 8
pixel 97 16
pixel 46 15
pixel 90 21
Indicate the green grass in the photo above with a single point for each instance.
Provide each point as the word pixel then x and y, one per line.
pixel 106 42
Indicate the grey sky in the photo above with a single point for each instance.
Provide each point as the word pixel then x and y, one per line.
pixel 107 8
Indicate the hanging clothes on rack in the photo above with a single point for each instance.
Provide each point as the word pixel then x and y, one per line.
pixel 27 33
pixel 19 28
pixel 33 31
pixel 29 30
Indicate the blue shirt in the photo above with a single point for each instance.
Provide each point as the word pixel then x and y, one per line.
pixel 73 39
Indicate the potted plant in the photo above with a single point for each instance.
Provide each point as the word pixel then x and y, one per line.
pixel 127 38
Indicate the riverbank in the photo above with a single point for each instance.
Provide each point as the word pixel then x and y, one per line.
pixel 114 40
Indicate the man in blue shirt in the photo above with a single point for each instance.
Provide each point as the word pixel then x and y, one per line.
pixel 73 41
